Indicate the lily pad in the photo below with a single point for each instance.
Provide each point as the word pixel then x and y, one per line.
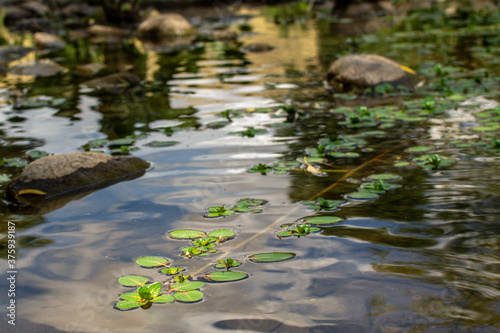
pixel 339 154
pixel 222 233
pixel 165 298
pixel 225 276
pixel 151 261
pixel 189 296
pixel 420 149
pixel 133 280
pixel 186 234
pixel 162 143
pixel 271 256
pixel 362 195
pixel 322 220
pixel 127 305
pixel 187 286
pixel 385 176
pixel 133 296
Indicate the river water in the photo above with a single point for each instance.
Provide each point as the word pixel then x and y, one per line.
pixel 420 258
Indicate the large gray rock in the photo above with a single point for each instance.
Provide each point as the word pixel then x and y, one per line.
pixel 361 71
pixel 164 25
pixel 42 68
pixel 73 172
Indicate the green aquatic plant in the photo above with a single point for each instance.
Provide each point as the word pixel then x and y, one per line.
pixel 249 205
pixel 433 160
pixel 261 168
pixel 495 144
pixel 323 204
pixel 172 270
pixel 429 104
pixel 143 297
pixel 152 261
pixel 228 263
pixel 302 229
pixel 379 186
pixel 181 278
pixel 217 211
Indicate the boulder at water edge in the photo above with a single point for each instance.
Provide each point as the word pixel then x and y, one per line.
pixel 73 172
pixel 361 71
pixel 164 26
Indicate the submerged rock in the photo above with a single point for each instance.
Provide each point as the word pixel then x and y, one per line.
pixel 361 71
pixel 42 68
pixel 164 25
pixel 59 174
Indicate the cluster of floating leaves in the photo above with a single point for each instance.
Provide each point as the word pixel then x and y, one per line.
pixel 201 243
pixel 242 206
pixel 183 288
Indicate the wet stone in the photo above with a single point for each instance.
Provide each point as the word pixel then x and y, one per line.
pixel 62 173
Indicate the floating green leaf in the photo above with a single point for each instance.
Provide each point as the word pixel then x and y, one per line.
pixel 133 280
pixel 261 168
pixel 122 142
pixel 222 233
pixel 225 276
pixel 419 149
pixel 385 176
pixel 151 261
pixel 339 154
pixel 149 291
pixel 271 256
pixel 126 305
pixel 362 195
pixel 172 270
pixel 216 211
pixel 322 220
pixel 36 154
pixel 189 296
pixel 133 296
pixel 187 285
pixel 164 298
pixel 228 263
pixel 162 143
pixel 186 234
